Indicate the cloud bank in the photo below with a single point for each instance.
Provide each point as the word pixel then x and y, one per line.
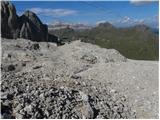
pixel 142 2
pixel 128 21
pixel 53 12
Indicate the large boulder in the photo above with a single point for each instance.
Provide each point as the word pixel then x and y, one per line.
pixel 9 20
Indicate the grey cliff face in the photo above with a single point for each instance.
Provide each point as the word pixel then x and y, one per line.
pixel 32 28
pixel 9 20
pixel 27 26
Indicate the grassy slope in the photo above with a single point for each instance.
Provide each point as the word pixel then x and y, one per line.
pixel 134 42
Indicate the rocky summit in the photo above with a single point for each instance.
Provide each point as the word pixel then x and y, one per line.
pixel 9 25
pixel 27 26
pixel 76 80
pixel 32 28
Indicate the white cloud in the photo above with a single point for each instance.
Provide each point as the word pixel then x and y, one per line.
pixel 140 21
pixel 53 12
pixel 125 19
pixel 101 21
pixel 128 21
pixel 141 2
pixel 20 13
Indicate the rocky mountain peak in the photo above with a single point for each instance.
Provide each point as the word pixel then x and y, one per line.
pixel 141 27
pixel 9 20
pixel 32 16
pixel 105 25
pixel 27 26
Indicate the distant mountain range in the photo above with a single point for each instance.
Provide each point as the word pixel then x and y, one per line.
pixel 79 26
pixel 61 25
pixel 136 42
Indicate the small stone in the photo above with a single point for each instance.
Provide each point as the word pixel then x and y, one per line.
pixel 75 77
pixel 62 87
pixel 6 103
pixel 84 84
pixel 36 93
pixel 41 95
pixel 35 46
pixel 46 113
pixel 18 116
pixel 11 67
pixel 18 108
pixel 10 96
pixel 22 112
pixel 28 108
pixel 37 67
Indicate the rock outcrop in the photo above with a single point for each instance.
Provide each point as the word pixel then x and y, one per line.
pixel 27 26
pixel 32 28
pixel 9 19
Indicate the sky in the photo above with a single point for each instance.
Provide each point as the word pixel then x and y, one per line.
pixel 119 13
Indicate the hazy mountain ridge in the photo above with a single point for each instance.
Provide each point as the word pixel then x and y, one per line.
pixel 136 42
pixel 61 25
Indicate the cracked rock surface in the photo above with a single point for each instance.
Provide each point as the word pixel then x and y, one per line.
pixel 76 80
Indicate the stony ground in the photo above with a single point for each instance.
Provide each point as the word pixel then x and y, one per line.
pixel 76 80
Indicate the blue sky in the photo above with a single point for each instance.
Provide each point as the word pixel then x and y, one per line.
pixel 122 13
